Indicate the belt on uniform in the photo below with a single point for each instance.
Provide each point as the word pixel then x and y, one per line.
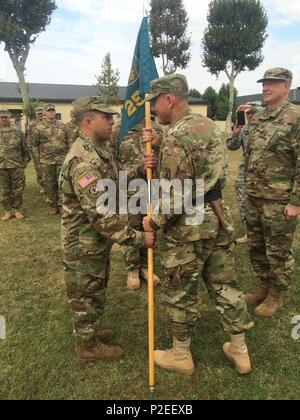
pixel 213 195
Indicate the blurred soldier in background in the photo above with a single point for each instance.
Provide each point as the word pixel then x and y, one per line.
pixel 49 148
pixel 14 157
pixel 131 152
pixel 72 130
pixel 39 119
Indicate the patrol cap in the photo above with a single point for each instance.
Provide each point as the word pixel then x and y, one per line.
pixel 48 107
pixel 39 110
pixel 92 103
pixel 174 83
pixel 4 113
pixel 277 73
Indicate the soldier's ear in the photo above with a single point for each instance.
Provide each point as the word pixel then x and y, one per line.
pixel 171 101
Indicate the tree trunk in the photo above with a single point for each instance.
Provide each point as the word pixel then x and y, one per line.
pixel 22 83
pixel 231 101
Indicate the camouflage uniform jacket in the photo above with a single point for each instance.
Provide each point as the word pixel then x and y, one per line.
pixel 13 150
pixel 132 150
pixel 273 155
pixel 192 149
pixel 50 143
pixel 238 141
pixel 84 229
pixel 32 126
pixel 72 132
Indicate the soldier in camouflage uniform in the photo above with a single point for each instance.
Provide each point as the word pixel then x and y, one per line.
pixel 14 157
pixel 237 141
pixel 273 190
pixel 88 231
pixel 72 130
pixel 131 152
pixel 49 148
pixel 39 119
pixel 194 149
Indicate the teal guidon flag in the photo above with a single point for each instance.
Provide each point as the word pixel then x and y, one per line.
pixel 143 71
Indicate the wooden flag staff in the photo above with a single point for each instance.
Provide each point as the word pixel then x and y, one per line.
pixel 150 262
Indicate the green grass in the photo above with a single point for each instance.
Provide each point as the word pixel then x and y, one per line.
pixel 37 359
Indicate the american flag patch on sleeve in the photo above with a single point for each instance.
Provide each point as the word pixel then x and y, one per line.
pixel 87 181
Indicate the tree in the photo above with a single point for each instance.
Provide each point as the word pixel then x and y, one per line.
pixel 108 80
pixel 210 96
pixel 168 23
pixel 222 108
pixel 234 39
pixel 29 110
pixel 21 21
pixel 195 93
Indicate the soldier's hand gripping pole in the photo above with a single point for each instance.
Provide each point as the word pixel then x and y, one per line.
pixel 150 262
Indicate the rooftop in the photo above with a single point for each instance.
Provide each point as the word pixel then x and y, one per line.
pixel 9 92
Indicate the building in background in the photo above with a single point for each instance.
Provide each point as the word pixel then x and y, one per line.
pixel 63 96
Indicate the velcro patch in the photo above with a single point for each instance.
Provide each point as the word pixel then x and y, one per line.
pixel 87 181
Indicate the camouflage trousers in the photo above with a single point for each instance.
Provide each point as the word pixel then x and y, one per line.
pixel 39 173
pixel 211 261
pixel 51 176
pixel 270 239
pixel 12 184
pixel 87 293
pixel 135 258
pixel 240 192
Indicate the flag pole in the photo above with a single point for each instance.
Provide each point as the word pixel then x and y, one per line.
pixel 150 261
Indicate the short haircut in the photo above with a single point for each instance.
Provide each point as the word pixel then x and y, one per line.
pixel 80 117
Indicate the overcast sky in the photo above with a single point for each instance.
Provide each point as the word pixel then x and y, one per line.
pixel 83 31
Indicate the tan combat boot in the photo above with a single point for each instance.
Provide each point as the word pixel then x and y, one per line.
pixel 54 211
pixel 179 358
pixel 133 280
pixel 237 353
pixel 105 336
pixel 271 305
pixel 259 296
pixel 19 215
pixel 93 350
pixel 8 216
pixel 144 275
pixel 243 240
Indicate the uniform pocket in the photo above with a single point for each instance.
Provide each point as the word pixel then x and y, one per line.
pixel 178 256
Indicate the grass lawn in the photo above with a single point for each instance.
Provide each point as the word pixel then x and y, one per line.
pixel 37 358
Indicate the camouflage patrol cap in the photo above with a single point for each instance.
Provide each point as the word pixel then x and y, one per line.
pixel 174 83
pixel 47 107
pixel 4 113
pixel 92 103
pixel 39 110
pixel 277 73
